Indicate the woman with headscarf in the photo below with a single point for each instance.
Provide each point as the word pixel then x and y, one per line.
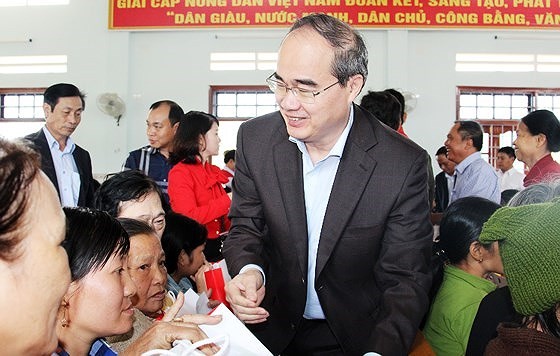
pixel 529 247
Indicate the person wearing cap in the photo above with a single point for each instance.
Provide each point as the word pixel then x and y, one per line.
pixel 538 134
pixel 529 248
pixel 497 306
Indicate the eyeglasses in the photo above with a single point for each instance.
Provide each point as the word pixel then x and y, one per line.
pixel 303 95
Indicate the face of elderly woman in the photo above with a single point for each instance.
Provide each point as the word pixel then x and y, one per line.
pixel 35 281
pixel 146 264
pixel 527 145
pixel 147 209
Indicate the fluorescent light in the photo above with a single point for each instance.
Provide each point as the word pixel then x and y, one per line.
pixel 33 59
pixel 232 66
pixel 6 3
pixel 232 56
pixel 548 58
pixel 493 57
pixel 494 67
pixel 33 69
pixel 33 64
pixel 548 68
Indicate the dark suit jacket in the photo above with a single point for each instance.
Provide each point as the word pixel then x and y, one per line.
pixel 442 193
pixel 372 274
pixel 83 162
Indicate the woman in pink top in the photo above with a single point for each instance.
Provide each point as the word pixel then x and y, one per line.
pixel 538 134
pixel 195 185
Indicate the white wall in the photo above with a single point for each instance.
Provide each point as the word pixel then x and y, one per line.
pixel 146 66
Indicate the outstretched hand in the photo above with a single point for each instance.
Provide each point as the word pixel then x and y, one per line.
pixel 245 293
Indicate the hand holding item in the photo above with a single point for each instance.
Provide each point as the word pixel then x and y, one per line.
pixel 162 334
pixel 245 293
pixel 199 279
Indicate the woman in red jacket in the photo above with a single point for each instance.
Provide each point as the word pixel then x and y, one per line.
pixel 195 185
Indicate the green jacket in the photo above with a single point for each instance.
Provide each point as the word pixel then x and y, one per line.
pixel 453 310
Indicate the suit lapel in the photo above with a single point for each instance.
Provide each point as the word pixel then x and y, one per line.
pixel 353 175
pixel 47 164
pixel 78 160
pixel 288 167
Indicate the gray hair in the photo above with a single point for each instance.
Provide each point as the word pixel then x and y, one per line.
pixel 537 193
pixel 350 55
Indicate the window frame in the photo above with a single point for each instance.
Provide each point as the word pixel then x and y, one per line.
pixel 19 91
pixel 495 127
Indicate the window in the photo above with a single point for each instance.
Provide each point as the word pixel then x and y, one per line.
pixel 5 3
pixel 499 110
pixel 233 105
pixel 504 62
pixel 235 61
pixel 21 111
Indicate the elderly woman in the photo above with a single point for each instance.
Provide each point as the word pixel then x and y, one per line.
pixel 146 265
pixel 497 306
pixel 34 272
pixel 132 194
pixel 465 280
pixel 99 300
pixel 538 134
pixel 529 247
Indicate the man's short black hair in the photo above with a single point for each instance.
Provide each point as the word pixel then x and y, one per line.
pixel 62 90
pixel 508 151
pixel 441 151
pixel 229 155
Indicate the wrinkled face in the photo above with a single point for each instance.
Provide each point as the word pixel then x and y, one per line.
pixel 457 148
pixel 504 162
pixel 446 165
pixel 304 61
pixel 193 262
pixel 100 304
pixel 146 264
pixel 64 118
pixel 210 144
pixel 159 129
pixel 526 145
pixel 148 209
pixel 38 278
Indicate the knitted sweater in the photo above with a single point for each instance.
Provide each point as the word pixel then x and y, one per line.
pixel 141 323
pixel 521 341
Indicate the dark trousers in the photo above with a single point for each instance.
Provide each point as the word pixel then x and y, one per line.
pixel 314 338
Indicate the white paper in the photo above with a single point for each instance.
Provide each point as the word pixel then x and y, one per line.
pixel 242 341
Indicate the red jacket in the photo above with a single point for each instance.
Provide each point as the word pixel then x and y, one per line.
pixel 546 168
pixel 195 190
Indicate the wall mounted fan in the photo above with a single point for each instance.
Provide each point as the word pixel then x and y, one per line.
pixel 410 101
pixel 112 105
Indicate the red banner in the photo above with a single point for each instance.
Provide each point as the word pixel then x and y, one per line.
pixel 505 14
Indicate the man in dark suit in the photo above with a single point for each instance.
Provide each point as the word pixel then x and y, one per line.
pixel 66 164
pixel 444 180
pixel 330 239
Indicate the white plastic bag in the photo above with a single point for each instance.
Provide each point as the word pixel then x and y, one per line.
pixel 186 348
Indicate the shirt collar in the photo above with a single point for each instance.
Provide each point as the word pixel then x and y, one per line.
pixel 467 161
pixel 338 147
pixel 53 143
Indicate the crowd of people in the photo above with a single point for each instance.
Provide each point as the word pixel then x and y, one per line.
pixel 324 215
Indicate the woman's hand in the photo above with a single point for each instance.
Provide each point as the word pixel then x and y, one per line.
pixel 198 277
pixel 162 334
